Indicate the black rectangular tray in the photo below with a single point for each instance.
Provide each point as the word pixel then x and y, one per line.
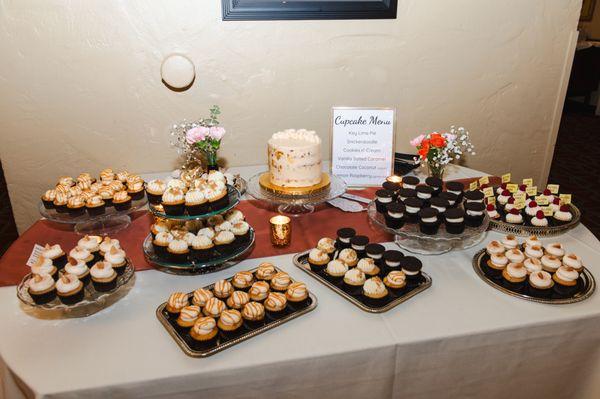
pixel 194 348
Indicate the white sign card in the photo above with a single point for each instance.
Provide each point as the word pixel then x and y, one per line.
pixel 362 145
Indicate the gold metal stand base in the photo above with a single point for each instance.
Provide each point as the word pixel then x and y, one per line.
pixel 265 183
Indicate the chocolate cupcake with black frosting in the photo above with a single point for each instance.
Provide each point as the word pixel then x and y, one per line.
pixel 358 244
pixel 474 213
pixel 435 183
pixel 413 206
pixel 410 182
pixel 343 237
pixel 454 218
pixel 394 217
pixel 429 222
pixel 382 198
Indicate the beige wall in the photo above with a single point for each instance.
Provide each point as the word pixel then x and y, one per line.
pixel 80 86
pixel 592 27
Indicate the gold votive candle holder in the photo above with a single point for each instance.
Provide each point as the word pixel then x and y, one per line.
pixel 281 230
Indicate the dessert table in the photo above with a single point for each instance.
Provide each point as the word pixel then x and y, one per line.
pixel 460 338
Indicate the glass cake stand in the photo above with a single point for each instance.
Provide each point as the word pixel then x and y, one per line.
pixel 110 222
pixel 296 205
pixel 410 238
pixel 216 263
pixel 234 198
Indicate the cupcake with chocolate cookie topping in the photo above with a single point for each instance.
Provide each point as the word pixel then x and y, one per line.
pixel 394 216
pixel 344 235
pixel 474 214
pixel 435 183
pixel 382 199
pixel 429 222
pixel 358 244
pixel 375 252
pixel 456 188
pixel 410 182
pixel 391 261
pixel 411 267
pixel 424 193
pixel 412 208
pixel 454 219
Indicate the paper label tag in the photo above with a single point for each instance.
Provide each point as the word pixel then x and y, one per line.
pixel 35 254
pixel 565 199
pixel 531 191
pixel 512 187
pixel 491 200
pixel 473 185
pixel 528 182
pixel 520 196
pixel 553 188
pixel 506 178
pixel 547 211
pixel 484 180
pixel 488 191
pixel 519 203
pixel 542 200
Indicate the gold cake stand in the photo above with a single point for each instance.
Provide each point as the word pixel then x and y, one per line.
pixel 295 201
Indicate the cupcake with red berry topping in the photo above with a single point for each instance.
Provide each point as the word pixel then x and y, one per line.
pixel 514 217
pixel 540 219
pixel 492 212
pixel 563 215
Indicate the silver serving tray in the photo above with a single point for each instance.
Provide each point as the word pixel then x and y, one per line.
pixel 301 262
pixel 177 334
pixel 93 301
pixel 589 285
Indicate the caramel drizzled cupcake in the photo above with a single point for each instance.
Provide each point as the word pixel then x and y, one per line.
pixel 280 281
pixel 259 291
pixel 204 330
pixel 265 271
pixel 222 289
pixel 76 206
pixel 135 187
pixel 60 202
pixel 297 294
pixel 238 299
pixel 275 304
pixel 188 316
pixel 201 296
pixel 106 193
pixel 395 281
pixel 176 302
pixel 122 201
pixel 254 314
pixel 48 198
pixel 242 280
pixel 214 307
pixel 41 288
pixel 95 205
pixel 230 321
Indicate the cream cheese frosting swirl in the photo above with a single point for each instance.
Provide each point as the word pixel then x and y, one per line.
pixel 173 196
pixel 163 238
pixel 207 231
pixel 348 256
pixel 225 226
pixel 374 286
pixel 178 246
pixel 194 197
pixel 224 237
pixel 156 187
pixel 202 242
pixel 366 265
pixel 336 268
pixel 318 255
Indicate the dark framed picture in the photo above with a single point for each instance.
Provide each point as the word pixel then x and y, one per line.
pixel 257 10
pixel 587 10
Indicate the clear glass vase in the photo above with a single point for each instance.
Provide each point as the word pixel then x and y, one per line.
pixel 211 160
pixel 436 169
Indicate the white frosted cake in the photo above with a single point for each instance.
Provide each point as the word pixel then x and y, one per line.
pixel 295 158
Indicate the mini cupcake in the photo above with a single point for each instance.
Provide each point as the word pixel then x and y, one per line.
pixel 354 280
pixel 549 263
pixel 178 251
pixel 188 316
pixel 494 248
pixel 95 205
pixel 474 213
pixel 82 254
pixel 412 208
pixel 424 193
pixel 195 202
pixel 107 194
pixel 326 245
pixel 238 299
pixel 573 261
pixel 55 254
pixel 514 275
pixel 358 244
pixel 440 204
pixel 48 199
pixel 534 251
pixel 217 196
pixel 201 248
pixel 492 212
pixel 224 226
pixel 429 222
pixel 514 217
pixel 44 266
pixel 563 215
pixel 235 215
pixel 566 280
pixel 214 307
pixel 230 321
pixel 122 201
pixel 161 243
pixel 532 241
pixel 297 294
pixel 393 187
pixel 317 259
pixel 496 264
pixel 76 206
pixel 411 267
pixel 259 291
pixel 382 199
pixel 106 244
pixel 265 271
pixel 79 269
pixel 515 255
pixel 343 237
pixel 254 314
pixel 540 283
pixel 117 258
pixel 222 289
pixel 92 244
pixel 450 197
pixel 335 270
pixel 188 237
pixel 348 256
pixel 154 190
pixel 60 202
pixel 368 267
pixel 275 304
pixel 215 220
pixel 69 289
pixel 435 183
pixel 555 205
pixel 224 242
pixel 406 193
pixel 201 296
pixel 41 288
pixel 242 280
pixel 375 252
pixel 280 281
pixel 375 290
pixel 454 219
pixel 394 216
pixel 241 231
pixel 510 241
pixel 173 202
pixel 135 187
pixel 539 220
pixel 204 330
pixel 104 277
pixel 395 281
pixel 410 182
pixel 391 260
pixel 555 249
pixel 208 232
pixel 532 265
pixel 456 188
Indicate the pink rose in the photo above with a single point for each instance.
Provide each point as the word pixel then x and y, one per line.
pixel 417 140
pixel 196 134
pixel 217 132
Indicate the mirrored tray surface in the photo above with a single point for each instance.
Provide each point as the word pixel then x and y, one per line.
pixel 586 285
pixel 233 199
pixel 525 231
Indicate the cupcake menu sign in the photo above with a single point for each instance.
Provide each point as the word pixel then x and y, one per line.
pixel 362 145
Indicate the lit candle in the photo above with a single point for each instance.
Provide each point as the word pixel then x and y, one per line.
pixel 281 230
pixel 394 179
pixel 393 183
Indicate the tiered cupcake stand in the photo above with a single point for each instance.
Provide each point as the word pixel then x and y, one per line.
pixel 217 262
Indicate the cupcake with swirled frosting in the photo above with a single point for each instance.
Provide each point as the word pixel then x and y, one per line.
pixel 540 283
pixel 95 205
pixel 92 244
pixel 375 289
pixel 201 296
pixel 317 259
pixel 154 190
pixel 222 289
pixel 122 201
pixel 368 267
pixel 297 293
pixel 354 280
pixel 41 288
pixel 104 277
pixel 563 215
pixel 202 248
pixel 55 254
pixel 117 258
pixel 229 321
pixel 195 202
pixel 82 254
pixel 254 314
pixel 188 316
pixel 69 289
pixel 173 202
pixel 573 261
pixel 514 275
pixel 79 269
pixel 224 242
pixel 566 279
pixel 44 266
pixel 204 330
pixel 326 245
pixel 348 256
pixel 395 281
pixel 241 231
pixel 135 187
pixel 214 307
pixel 280 281
pixel 275 304
pixel 178 250
pixel 242 280
pixel 259 291
pixel 265 271
pixel 48 198
pixel 235 215
pixel 161 243
pixel 238 299
pixel 335 270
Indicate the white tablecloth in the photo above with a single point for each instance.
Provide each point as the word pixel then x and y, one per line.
pixel 458 339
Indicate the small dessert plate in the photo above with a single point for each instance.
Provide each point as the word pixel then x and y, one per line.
pixel 586 285
pixel 368 305
pixel 223 341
